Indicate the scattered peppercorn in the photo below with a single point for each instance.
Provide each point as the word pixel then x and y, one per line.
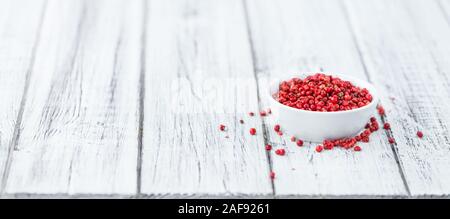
pixel 280 152
pixel 251 113
pixel 222 127
pixel 380 110
pixel 280 133
pixel 319 148
pixel 391 140
pixel 276 128
pixel 293 138
pixel 241 121
pixel 419 134
pixel 320 92
pixel 268 147
pixel 252 131
pixel 272 175
pixel 387 126
pixel 269 111
pixel 357 148
pixel 299 143
pixel 263 113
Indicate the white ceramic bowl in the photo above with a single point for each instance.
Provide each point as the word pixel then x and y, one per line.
pixel 318 126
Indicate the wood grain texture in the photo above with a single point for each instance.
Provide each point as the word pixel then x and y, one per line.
pixel 295 36
pixel 80 122
pixel 408 60
pixel 123 99
pixel 444 6
pixel 19 26
pixel 196 54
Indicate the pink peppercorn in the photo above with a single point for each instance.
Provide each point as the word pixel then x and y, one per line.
pixel 280 152
pixel 391 140
pixel 299 143
pixel 419 134
pixel 252 131
pixel 272 175
pixel 324 93
pixel 293 138
pixel 222 127
pixel 365 139
pixel 319 148
pixel 387 126
pixel 263 113
pixel 276 128
pixel 280 133
pixel 268 147
pixel 357 148
pixel 251 113
pixel 380 110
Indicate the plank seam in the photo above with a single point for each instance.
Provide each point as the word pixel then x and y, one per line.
pixel 141 98
pixel 255 74
pixel 366 72
pixel 17 127
pixel 444 12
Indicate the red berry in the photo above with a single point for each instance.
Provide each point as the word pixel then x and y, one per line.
pixel 374 128
pixel 319 148
pixel 365 139
pixel 272 175
pixel 299 143
pixel 357 148
pixel 391 140
pixel 222 127
pixel 276 128
pixel 293 138
pixel 419 134
pixel 320 92
pixel 380 110
pixel 251 114
pixel 252 131
pixel 268 147
pixel 387 126
pixel 280 152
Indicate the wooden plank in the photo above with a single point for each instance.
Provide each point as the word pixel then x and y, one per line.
pixel 198 75
pixel 80 122
pixel 444 6
pixel 19 24
pixel 409 59
pixel 296 36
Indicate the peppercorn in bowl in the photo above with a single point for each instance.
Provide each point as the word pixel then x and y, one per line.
pixel 321 106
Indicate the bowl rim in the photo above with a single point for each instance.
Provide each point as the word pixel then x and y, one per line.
pixel 356 81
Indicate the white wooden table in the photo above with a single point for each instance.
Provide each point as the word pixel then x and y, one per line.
pixel 113 98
